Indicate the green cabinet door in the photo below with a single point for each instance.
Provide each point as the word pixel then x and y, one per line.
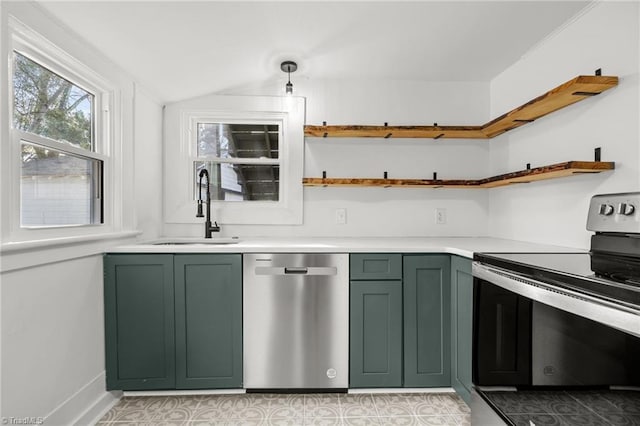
pixel 427 315
pixel 461 326
pixel 375 353
pixel 208 292
pixel 139 321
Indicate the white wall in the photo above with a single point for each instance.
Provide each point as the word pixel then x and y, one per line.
pixel 148 163
pixel 554 212
pixel 384 211
pixel 52 335
pixel 51 291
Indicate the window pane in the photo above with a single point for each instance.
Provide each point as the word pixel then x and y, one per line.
pixel 59 189
pixel 48 105
pixel 238 140
pixel 239 182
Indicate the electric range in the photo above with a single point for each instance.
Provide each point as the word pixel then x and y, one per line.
pixel 605 280
pixel 557 335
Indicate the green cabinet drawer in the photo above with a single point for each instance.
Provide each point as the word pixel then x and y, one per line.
pixel 139 321
pixel 375 352
pixel 376 266
pixel 427 316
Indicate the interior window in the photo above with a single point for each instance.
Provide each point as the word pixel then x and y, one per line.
pixel 253 150
pixel 242 160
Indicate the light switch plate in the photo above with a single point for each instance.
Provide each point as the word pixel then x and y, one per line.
pixel 441 216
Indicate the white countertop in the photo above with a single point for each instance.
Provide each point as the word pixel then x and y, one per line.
pixel 462 246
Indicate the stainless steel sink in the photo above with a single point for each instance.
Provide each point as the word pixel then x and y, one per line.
pixel 198 241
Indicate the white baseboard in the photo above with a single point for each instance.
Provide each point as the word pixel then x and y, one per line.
pixel 240 391
pixel 185 392
pixel 86 406
pixel 402 390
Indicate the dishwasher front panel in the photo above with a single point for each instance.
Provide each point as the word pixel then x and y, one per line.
pixel 296 321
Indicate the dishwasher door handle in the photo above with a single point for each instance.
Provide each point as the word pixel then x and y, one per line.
pixel 296 270
pixel 300 271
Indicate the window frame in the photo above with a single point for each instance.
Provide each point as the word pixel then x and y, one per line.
pixel 181 152
pixel 30 44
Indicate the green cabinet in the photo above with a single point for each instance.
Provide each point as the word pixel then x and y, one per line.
pixel 139 321
pixel 208 309
pixel 173 321
pixel 461 326
pixel 427 327
pixel 400 320
pixel 375 353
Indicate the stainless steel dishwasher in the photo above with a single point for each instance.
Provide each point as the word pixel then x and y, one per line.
pixel 296 321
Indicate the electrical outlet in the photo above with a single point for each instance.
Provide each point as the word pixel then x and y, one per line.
pixel 341 216
pixel 441 216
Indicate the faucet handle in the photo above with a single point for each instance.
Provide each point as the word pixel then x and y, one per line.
pixel 215 227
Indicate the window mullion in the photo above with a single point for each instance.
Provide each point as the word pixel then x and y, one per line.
pixel 59 146
pixel 251 161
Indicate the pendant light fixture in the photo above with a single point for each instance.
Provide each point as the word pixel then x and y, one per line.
pixel 289 67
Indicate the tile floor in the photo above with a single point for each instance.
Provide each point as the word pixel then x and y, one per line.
pixel 291 409
pixel 571 407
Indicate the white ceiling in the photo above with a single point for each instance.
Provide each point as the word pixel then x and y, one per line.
pixel 179 49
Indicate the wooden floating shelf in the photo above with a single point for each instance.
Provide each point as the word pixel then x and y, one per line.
pixel 575 90
pixel 553 171
pixel 432 132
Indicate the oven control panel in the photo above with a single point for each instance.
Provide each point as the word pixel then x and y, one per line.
pixel 615 213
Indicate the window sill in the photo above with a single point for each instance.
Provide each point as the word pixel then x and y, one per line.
pixel 52 250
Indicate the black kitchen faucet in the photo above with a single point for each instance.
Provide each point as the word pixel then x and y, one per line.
pixel 208 228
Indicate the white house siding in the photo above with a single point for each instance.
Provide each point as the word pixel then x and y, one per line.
pixel 55 200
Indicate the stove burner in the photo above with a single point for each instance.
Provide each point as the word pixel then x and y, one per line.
pixel 618 278
pixel 621 269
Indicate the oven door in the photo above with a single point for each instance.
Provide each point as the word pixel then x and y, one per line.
pixel 521 340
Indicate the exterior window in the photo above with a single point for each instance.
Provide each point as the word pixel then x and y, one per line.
pixel 54 123
pixel 242 160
